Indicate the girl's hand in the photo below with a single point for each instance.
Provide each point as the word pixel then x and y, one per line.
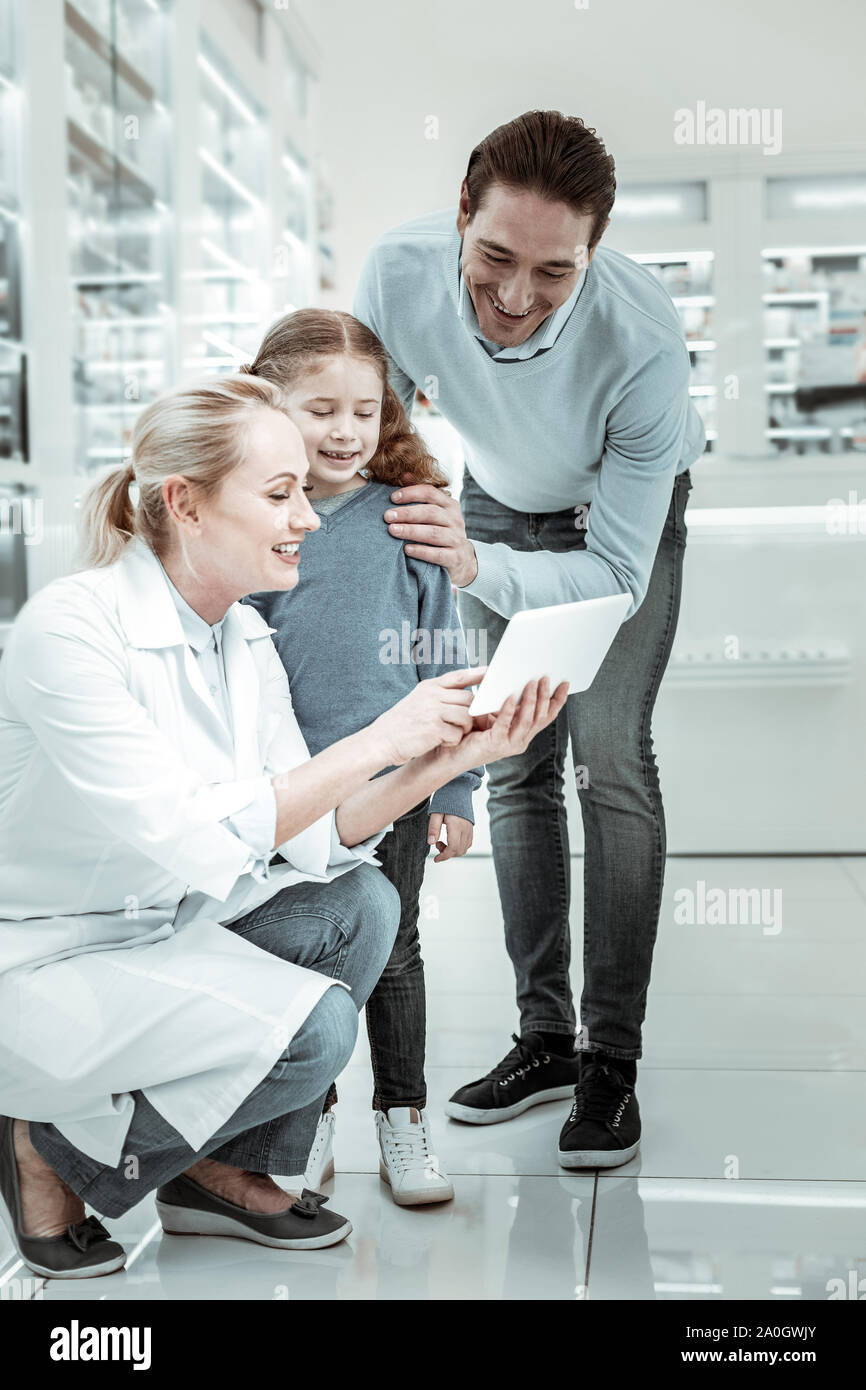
pixel 459 833
pixel 435 714
pixel 513 728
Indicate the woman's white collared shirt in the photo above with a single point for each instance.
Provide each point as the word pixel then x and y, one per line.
pixel 120 865
pixel 255 824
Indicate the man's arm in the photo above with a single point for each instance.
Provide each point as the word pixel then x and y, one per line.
pixel 627 515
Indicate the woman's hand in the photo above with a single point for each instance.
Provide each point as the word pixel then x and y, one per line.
pixel 513 728
pixel 432 732
pixel 434 714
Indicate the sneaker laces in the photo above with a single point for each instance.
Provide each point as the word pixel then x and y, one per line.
pixel 600 1092
pixel 409 1145
pixel 518 1061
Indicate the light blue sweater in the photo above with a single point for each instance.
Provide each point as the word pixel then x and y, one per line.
pixel 601 417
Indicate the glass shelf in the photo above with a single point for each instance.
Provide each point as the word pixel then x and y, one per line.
pixel 118 194
pixel 121 34
pixel 233 156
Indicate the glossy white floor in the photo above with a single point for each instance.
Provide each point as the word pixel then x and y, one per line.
pixel 751 1181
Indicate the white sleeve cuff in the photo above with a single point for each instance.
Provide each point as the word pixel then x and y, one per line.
pixel 226 799
pixel 256 824
pixel 345 854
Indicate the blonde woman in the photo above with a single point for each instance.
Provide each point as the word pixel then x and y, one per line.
pixel 173 1005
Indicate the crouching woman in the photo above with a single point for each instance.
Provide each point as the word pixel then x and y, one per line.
pixel 174 1000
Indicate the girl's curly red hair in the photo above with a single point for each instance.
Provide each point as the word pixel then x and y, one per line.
pixel 303 339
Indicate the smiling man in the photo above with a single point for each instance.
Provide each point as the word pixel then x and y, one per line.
pixel 564 369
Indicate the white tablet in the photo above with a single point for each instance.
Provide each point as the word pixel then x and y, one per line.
pixel 567 642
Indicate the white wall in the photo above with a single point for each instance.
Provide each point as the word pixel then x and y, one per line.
pixel 625 66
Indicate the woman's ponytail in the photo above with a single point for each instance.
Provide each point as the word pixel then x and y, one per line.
pixel 108 517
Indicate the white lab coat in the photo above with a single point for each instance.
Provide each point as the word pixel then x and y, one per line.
pixel 116 876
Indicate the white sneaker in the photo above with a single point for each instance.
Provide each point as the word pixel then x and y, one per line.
pixel 406 1161
pixel 320 1164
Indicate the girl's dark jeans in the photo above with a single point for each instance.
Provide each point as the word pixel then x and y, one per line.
pixel 397 1007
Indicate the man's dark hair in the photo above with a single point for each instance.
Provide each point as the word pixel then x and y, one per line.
pixel 555 156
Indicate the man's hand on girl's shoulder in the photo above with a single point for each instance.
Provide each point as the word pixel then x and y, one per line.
pixel 431 523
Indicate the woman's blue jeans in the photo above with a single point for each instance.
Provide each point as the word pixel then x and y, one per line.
pixel 345 929
pixel 618 788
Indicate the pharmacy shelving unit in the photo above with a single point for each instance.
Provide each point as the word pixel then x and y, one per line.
pixel 765 258
pixel 14 446
pixel 119 135
pixel 233 222
pixel 688 278
pixel 252 252
pixel 678 211
pixel 168 212
pixel 13 356
pixel 815 338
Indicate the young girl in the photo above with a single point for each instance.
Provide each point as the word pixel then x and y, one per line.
pixel 366 623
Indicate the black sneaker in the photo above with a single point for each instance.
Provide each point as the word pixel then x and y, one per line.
pixel 529 1075
pixel 603 1129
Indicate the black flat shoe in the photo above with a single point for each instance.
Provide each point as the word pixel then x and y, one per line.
pixel 85 1249
pixel 187 1209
